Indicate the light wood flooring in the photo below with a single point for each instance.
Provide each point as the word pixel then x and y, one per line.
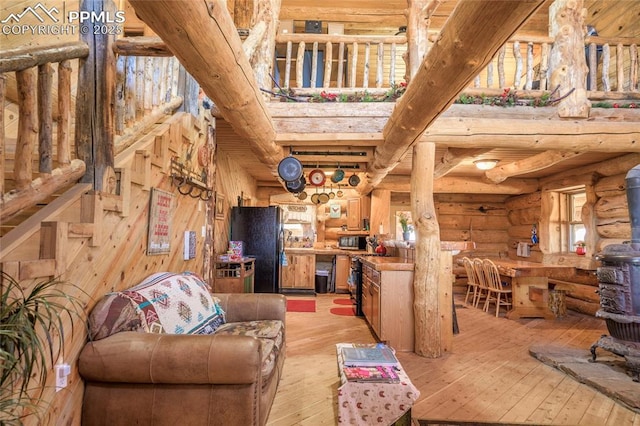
pixel 489 375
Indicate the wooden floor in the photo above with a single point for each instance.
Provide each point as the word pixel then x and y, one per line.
pixel 489 375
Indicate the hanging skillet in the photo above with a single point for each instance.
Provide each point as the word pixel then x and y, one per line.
pixel 290 169
pixel 297 185
pixel 317 177
pixel 337 176
pixel 354 180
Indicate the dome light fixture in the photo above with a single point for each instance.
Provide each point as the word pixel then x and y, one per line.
pixel 486 164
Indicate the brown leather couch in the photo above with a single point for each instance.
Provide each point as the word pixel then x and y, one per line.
pixel 168 379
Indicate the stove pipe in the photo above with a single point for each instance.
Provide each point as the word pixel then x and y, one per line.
pixel 633 201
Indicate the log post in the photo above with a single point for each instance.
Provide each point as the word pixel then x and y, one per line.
pixel 418 19
pixel 567 61
pixel 94 100
pixel 64 112
pixel 27 127
pixel 45 120
pixel 427 306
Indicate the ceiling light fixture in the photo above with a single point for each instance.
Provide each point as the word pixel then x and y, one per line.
pixel 486 164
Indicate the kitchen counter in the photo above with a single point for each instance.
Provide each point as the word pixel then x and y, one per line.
pixel 322 251
pixel 384 263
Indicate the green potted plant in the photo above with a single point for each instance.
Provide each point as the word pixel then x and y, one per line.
pixel 31 338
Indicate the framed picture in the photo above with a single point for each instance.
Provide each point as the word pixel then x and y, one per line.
pixel 160 213
pixel 219 206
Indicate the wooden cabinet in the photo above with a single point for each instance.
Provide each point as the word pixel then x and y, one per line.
pixel 300 272
pixel 371 297
pixel 354 216
pixel 343 269
pixel 387 304
pixel 234 277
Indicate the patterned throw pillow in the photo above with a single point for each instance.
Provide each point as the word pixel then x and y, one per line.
pixel 163 303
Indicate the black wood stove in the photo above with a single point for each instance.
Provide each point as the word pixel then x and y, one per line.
pixel 619 288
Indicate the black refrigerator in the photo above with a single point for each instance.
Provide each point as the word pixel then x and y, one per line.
pixel 260 230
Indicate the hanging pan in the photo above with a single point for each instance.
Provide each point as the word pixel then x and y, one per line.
pixel 315 198
pixel 297 185
pixel 332 194
pixel 317 177
pixel 354 180
pixel 290 169
pixel 323 197
pixel 302 196
pixel 339 194
pixel 338 175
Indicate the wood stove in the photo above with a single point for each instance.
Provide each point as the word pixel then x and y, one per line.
pixel 619 288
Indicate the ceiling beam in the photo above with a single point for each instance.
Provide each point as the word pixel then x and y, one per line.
pixel 203 37
pixel 463 185
pixel 534 163
pixel 472 35
pixel 454 156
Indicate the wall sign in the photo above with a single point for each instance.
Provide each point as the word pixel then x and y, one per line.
pixel 160 212
pixel 334 211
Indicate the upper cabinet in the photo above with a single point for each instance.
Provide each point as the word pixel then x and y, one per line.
pixel 354 215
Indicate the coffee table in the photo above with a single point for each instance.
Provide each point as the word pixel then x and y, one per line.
pixel 363 403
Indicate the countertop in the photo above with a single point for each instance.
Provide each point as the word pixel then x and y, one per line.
pixel 385 263
pixel 321 251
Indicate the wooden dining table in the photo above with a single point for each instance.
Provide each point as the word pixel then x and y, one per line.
pixel 530 286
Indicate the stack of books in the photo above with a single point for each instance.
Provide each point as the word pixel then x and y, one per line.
pixel 370 364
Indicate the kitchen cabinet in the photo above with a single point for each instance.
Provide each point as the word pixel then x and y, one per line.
pixel 354 214
pixel 371 297
pixel 387 304
pixel 343 266
pixel 300 272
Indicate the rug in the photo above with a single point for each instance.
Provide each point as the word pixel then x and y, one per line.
pixel 346 311
pixel 296 305
pixel 343 302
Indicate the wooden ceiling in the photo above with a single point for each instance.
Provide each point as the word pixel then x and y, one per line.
pixel 611 19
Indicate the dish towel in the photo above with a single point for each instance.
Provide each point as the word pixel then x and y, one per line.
pixel 523 250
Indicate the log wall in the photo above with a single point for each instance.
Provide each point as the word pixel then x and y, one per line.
pixel 115 258
pixel 482 218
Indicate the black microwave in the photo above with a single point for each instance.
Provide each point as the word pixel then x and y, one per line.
pixel 352 242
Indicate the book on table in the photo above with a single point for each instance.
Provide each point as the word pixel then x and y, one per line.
pixel 369 356
pixel 379 374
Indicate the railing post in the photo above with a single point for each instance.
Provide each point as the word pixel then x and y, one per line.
pixel 94 101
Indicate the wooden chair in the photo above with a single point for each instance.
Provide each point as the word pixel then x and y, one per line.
pixel 499 292
pixel 472 281
pixel 483 285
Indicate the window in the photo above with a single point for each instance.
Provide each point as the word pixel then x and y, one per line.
pixel 577 231
pixel 561 224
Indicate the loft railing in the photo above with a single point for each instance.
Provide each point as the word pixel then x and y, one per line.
pixel 316 61
pixel 615 61
pixel 37 143
pixel 310 63
pixel 146 88
pixel 27 133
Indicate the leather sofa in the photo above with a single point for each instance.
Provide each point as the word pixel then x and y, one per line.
pixel 228 377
